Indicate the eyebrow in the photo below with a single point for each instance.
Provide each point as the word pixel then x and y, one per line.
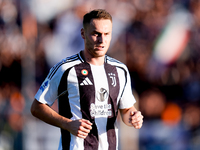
pixel 99 32
pixel 96 32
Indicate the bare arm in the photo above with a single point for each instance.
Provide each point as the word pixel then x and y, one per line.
pixel 80 128
pixel 132 117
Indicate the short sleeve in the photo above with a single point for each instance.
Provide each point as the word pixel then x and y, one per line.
pixel 47 93
pixel 127 99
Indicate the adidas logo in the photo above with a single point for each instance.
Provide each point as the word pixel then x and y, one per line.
pixel 86 82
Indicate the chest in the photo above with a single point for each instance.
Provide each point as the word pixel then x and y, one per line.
pixel 99 82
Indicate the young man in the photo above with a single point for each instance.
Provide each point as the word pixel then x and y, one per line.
pixel 90 87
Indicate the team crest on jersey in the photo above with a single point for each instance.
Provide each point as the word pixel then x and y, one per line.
pixel 84 72
pixel 102 94
pixel 112 76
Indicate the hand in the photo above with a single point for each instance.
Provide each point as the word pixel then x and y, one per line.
pixel 136 119
pixel 80 128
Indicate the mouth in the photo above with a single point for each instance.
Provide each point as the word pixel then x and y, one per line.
pixel 100 47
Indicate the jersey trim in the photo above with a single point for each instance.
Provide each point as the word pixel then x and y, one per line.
pixel 57 66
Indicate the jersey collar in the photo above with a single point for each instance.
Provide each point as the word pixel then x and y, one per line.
pixel 80 54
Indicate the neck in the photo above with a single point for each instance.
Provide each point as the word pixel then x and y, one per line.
pixel 97 61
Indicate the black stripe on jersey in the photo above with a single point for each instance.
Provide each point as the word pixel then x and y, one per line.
pixel 57 66
pixel 87 96
pixel 53 69
pixel 125 72
pixel 125 76
pixel 64 109
pixel 113 95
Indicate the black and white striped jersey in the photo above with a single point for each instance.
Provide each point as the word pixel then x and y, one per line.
pixel 90 92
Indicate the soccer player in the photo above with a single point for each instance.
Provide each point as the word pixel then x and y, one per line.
pixel 90 87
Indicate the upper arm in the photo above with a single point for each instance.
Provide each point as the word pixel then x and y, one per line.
pixel 36 107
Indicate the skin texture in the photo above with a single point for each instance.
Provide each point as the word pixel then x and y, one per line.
pixel 80 128
pixel 97 37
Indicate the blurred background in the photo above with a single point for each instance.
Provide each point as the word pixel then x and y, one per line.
pixel 159 41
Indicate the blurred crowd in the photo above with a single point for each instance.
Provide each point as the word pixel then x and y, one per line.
pixel 168 92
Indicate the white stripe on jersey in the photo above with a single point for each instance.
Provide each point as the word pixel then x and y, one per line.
pixel 100 80
pixel 73 94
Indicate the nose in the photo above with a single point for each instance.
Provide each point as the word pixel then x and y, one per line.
pixel 101 38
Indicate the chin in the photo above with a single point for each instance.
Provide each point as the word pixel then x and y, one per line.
pixel 100 53
pixel 97 52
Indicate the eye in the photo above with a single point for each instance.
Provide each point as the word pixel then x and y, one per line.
pixel 96 34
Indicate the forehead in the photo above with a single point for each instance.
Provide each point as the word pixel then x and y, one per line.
pixel 100 25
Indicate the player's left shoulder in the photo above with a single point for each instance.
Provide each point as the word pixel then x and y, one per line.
pixel 114 62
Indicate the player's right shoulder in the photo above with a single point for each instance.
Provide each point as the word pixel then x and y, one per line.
pixel 63 65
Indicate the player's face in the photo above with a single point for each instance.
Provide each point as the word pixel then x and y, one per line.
pixel 97 37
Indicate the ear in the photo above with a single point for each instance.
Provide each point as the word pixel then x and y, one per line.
pixel 83 33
